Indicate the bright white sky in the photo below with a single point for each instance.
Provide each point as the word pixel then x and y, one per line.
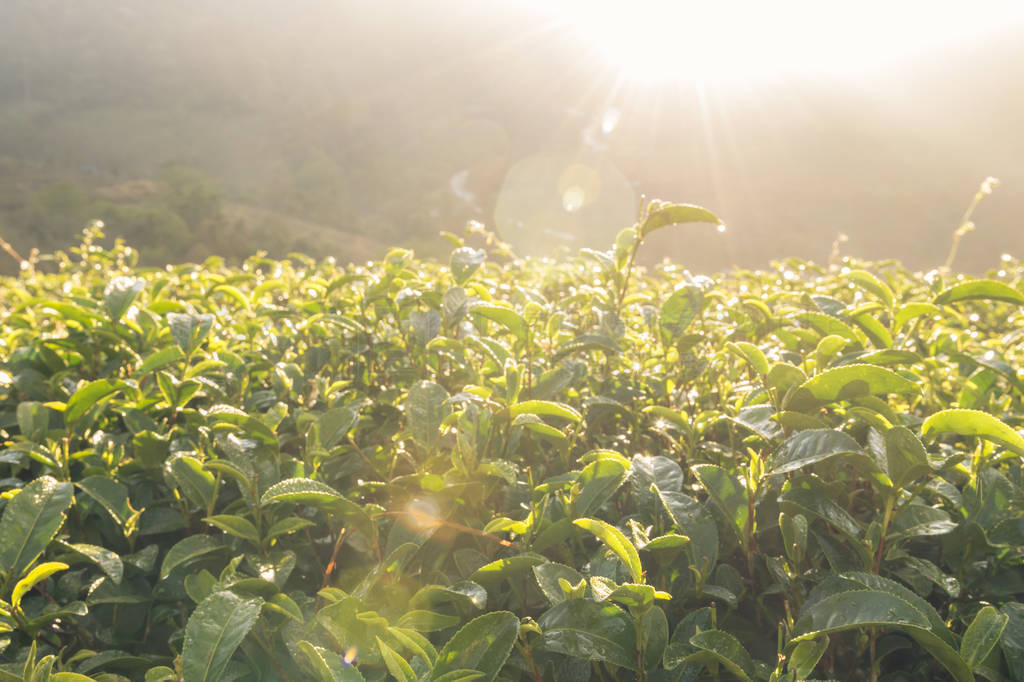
pixel 658 41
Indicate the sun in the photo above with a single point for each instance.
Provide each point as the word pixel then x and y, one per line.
pixel 659 41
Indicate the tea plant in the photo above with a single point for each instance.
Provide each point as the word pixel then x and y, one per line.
pixel 509 469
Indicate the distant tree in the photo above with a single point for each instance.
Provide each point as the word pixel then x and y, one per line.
pixel 192 194
pixel 58 212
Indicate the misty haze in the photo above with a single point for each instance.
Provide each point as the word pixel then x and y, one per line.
pixel 344 128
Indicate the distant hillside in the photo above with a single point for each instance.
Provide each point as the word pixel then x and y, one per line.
pixel 379 122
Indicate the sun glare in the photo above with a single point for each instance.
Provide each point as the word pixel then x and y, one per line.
pixel 657 41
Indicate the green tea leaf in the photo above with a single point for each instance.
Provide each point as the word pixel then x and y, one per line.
pixel 752 354
pixel 598 482
pixel 327 665
pixel 853 380
pixel 108 561
pixel 33 420
pixel 681 309
pixel 973 423
pixel 500 569
pixel 982 635
pixel 805 656
pixel 1012 641
pixel 813 501
pixel 214 630
pixel 508 318
pixel 871 283
pixel 427 621
pixel 465 261
pixel 482 644
pixel 235 525
pixel 192 479
pixel 855 609
pixel 111 495
pixel 547 408
pixel 159 359
pixel 591 631
pixel 301 491
pixel 30 520
pixel 661 214
pixel 38 574
pixel 187 550
pixel 905 456
pixel 88 396
pixel 809 447
pixel 615 540
pixel 548 575
pixel 189 331
pixel 723 648
pixel 425 409
pixel 653 637
pixel 397 666
pixel 728 495
pixel 696 523
pixel 120 294
pixel 985 289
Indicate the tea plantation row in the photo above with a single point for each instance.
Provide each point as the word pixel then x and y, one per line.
pixel 502 469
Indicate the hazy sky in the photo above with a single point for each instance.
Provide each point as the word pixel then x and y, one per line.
pixel 391 120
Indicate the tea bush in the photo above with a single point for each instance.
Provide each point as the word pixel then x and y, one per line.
pixel 509 469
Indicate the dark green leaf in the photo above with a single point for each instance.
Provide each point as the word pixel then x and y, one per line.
pixel 235 525
pixel 33 420
pixel 855 609
pixel 728 495
pixel 591 631
pixel 809 447
pixel 653 637
pixel 192 479
pixel 111 495
pixel 805 656
pixel 696 523
pixel 905 456
pixel 108 561
pixel 721 647
pixel 30 520
pixel 1012 641
pixel 598 482
pixel 483 644
pixel 982 635
pixel 214 630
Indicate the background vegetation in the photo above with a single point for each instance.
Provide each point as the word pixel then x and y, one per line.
pixel 509 469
